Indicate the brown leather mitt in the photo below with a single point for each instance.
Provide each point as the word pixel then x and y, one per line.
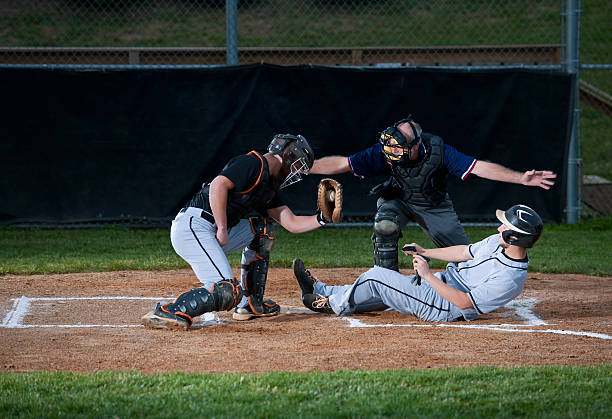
pixel 329 200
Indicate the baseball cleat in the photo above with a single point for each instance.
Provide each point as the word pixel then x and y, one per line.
pixel 303 276
pixel 318 303
pixel 270 308
pixel 160 318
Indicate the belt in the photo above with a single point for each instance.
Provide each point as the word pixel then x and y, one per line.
pixel 199 212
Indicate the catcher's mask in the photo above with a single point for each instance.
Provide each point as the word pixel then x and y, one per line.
pixel 297 156
pixel 396 146
pixel 524 223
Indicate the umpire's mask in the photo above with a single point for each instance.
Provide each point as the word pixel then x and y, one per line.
pixel 297 156
pixel 395 145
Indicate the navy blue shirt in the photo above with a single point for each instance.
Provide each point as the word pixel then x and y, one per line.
pixel 372 162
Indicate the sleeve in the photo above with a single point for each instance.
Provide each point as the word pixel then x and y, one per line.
pixel 244 171
pixel 494 293
pixel 369 162
pixel 487 245
pixel 273 203
pixel 457 163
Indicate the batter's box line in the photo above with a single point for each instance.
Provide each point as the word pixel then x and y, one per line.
pixel 21 306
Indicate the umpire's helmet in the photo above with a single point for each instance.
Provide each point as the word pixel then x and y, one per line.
pixel 524 223
pixel 396 146
pixel 297 156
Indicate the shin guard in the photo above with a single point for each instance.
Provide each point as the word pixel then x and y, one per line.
pixel 255 259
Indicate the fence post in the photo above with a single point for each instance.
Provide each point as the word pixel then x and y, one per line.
pixel 231 26
pixel 574 162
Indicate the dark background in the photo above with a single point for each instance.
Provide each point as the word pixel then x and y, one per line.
pixel 136 144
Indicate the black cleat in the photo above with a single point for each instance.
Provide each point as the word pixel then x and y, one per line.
pixel 318 303
pixel 270 308
pixel 161 318
pixel 304 278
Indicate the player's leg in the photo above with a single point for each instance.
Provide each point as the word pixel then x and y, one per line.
pixel 389 220
pixel 389 288
pixel 254 272
pixel 194 239
pixel 441 224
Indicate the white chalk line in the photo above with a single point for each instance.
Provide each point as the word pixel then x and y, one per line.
pixel 523 308
pixel 13 319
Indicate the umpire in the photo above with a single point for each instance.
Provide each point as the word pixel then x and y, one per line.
pixel 418 164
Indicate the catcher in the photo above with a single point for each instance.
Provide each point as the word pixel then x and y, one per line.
pixel 216 222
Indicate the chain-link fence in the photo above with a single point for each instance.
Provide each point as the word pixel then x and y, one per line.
pixel 490 33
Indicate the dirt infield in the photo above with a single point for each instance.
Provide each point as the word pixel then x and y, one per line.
pixel 91 321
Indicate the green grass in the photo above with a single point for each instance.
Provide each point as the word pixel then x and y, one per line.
pixel 542 392
pixel 581 248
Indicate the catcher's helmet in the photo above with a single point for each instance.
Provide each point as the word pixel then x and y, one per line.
pixel 524 223
pixel 396 146
pixel 297 156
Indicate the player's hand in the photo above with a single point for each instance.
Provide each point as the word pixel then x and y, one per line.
pixel 222 236
pixel 541 178
pixel 421 266
pixel 412 249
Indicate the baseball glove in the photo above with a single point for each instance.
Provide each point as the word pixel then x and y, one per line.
pixel 329 200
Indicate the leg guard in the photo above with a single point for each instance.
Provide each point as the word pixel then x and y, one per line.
pixel 387 232
pixel 255 259
pixel 224 295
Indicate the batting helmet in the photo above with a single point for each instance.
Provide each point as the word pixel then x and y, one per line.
pixel 524 223
pixel 396 146
pixel 297 156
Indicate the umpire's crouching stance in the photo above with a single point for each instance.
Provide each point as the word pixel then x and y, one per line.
pixel 217 221
pixel 488 275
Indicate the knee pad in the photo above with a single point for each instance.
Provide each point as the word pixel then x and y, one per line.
pixel 387 232
pixel 263 240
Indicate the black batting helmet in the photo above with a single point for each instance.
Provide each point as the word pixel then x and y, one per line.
pixel 296 153
pixel 524 223
pixel 393 140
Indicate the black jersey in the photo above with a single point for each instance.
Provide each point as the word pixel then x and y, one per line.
pixel 254 189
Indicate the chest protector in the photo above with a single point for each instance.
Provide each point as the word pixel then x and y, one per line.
pixel 424 184
pixel 241 203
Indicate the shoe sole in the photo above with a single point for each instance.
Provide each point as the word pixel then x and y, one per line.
pixel 249 316
pixel 153 321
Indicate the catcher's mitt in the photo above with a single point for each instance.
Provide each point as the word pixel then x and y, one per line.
pixel 329 200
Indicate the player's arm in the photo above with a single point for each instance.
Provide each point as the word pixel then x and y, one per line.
pixel 291 222
pixel 459 253
pixel 494 171
pixel 219 189
pixel 330 165
pixel 457 298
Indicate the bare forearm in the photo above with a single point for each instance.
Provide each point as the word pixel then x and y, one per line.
pixel 300 223
pixel 457 253
pixel 330 165
pixel 457 298
pixel 294 223
pixel 218 203
pixel 494 171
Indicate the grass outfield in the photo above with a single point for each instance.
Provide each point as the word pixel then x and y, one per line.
pixel 543 392
pixel 581 248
